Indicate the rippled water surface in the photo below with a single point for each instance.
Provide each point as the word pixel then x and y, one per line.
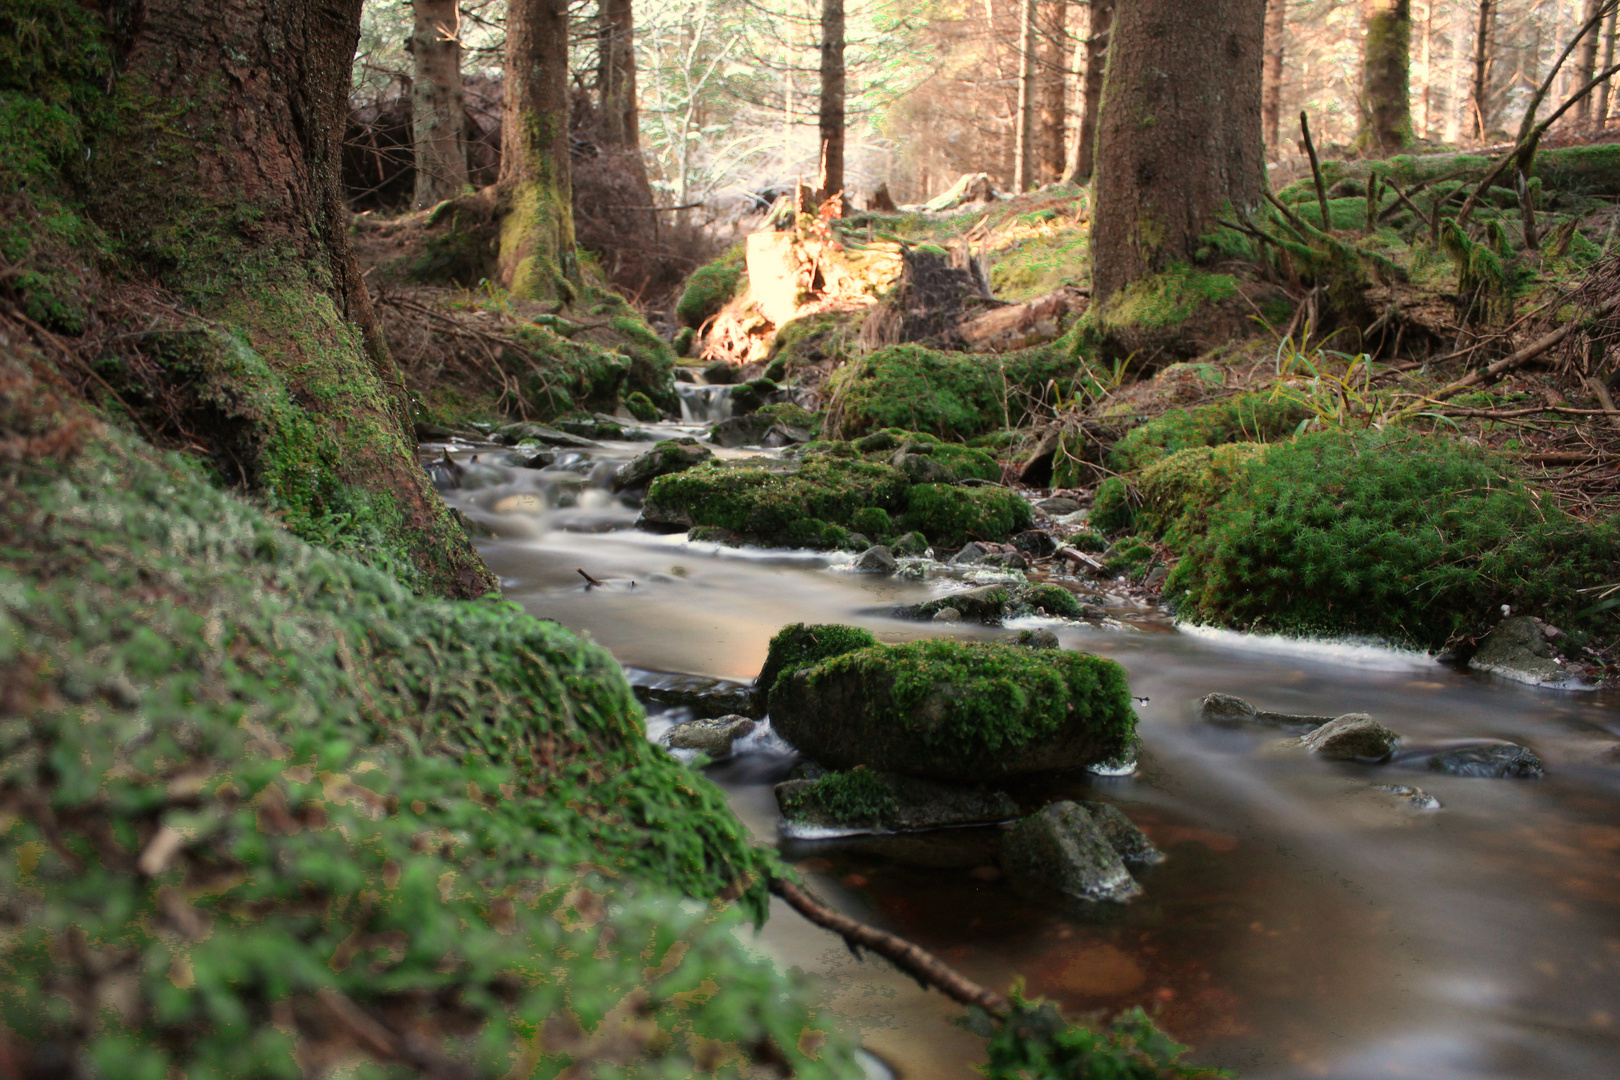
pixel 1303 925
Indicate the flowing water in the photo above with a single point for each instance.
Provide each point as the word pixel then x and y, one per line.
pixel 1303 924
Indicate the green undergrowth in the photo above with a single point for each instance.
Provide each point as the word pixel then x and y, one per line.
pixel 1036 1043
pixel 951 395
pixel 250 786
pixel 1111 509
pixel 712 287
pixel 1245 418
pixel 1402 536
pixel 840 488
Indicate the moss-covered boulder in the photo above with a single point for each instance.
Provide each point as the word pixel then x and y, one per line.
pixel 1179 491
pixel 955 711
pixel 832 489
pixel 991 604
pixel 711 288
pixel 1245 418
pixel 862 800
pixel 951 395
pixel 1400 535
pixel 669 456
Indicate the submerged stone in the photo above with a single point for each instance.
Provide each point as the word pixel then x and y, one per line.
pixel 713 737
pixel 1493 761
pixel 1122 834
pixel 965 712
pixel 990 604
pixel 1063 848
pixel 706 697
pixel 864 799
pixel 1227 710
pixel 1352 737
pixel 512 434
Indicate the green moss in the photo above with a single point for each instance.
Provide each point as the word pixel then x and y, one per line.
pixel 859 797
pixel 652 361
pixel 711 288
pixel 1089 540
pixel 785 412
pixel 950 395
pixel 1052 599
pixel 1129 555
pixel 1165 300
pixel 1111 507
pixel 1483 283
pixel 1245 418
pixel 873 522
pixel 560 375
pixel 1180 490
pixel 463 252
pixel 1403 536
pixel 798 645
pixel 809 340
pixel 641 407
pixel 952 516
pixel 1041 265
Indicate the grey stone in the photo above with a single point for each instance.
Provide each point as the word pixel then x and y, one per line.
pixel 706 697
pixel 532 459
pixel 1037 639
pixel 675 455
pixel 1518 649
pixel 909 804
pixel 713 737
pixel 737 431
pixel 877 560
pixel 1058 505
pixel 947 614
pixel 970 555
pixel 1063 848
pixel 1035 543
pixel 1352 737
pixel 1132 843
pixel 988 604
pixel 1493 761
pixel 781 435
pixel 512 434
pixel 720 373
pixel 1230 711
pixel 1415 797
pixel 922 469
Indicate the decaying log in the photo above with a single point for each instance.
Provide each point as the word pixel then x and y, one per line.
pixel 1017 326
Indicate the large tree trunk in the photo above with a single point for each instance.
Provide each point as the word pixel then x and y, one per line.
pixel 1024 152
pixel 830 176
pixel 616 77
pixel 1179 133
pixel 1271 87
pixel 537 256
pixel 1386 63
pixel 1051 94
pixel 1098 36
pixel 1479 102
pixel 1586 65
pixel 438 108
pixel 221 180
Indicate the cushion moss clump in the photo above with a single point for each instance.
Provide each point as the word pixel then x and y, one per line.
pixel 640 406
pixel 1111 506
pixel 257 791
pixel 859 797
pixel 950 395
pixel 798 645
pixel 1403 536
pixel 955 711
pixel 952 516
pixel 1245 418
pixel 1179 491
pixel 711 288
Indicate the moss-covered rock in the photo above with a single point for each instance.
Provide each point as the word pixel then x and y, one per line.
pixel 950 395
pixel 863 799
pixel 1111 509
pixel 955 711
pixel 991 604
pixel 1400 535
pixel 798 645
pixel 811 339
pixel 640 406
pixel 711 288
pixel 1179 491
pixel 669 456
pixel 951 516
pixel 1245 418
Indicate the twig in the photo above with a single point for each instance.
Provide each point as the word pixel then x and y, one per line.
pixel 1316 170
pixel 1528 353
pixel 915 961
pixel 588 579
pixel 1601 392
pixel 1565 457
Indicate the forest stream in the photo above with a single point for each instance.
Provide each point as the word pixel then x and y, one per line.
pixel 1305 924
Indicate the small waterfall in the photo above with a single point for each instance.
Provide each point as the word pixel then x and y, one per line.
pixel 703 404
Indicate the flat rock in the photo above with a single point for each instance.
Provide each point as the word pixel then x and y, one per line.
pixel 876 560
pixel 1062 847
pixel 672 456
pixel 512 434
pixel 1407 795
pixel 1351 737
pixel 706 697
pixel 890 803
pixel 1519 649
pixel 1058 506
pixel 1493 761
pixel 713 737
pixel 1232 711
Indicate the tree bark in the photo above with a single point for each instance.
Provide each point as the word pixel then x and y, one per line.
pixel 537 256
pixel 1179 133
pixel 1051 96
pixel 1024 158
pixel 1586 65
pixel 1098 35
pixel 1425 96
pixel 1386 62
pixel 221 182
pixel 1479 102
pixel 616 77
pixel 438 107
pixel 1271 88
pixel 830 175
pixel 1602 108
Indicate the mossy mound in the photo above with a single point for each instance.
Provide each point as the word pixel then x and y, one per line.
pixel 265 798
pixel 1246 418
pixel 798 646
pixel 951 395
pixel 1177 313
pixel 834 489
pixel 1404 536
pixel 955 711
pixel 711 288
pixel 1111 509
pixel 1180 490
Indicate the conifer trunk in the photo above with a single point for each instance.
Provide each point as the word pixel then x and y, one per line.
pixel 1601 120
pixel 616 76
pixel 1097 38
pixel 1479 101
pixel 537 256
pixel 221 183
pixel 1024 155
pixel 830 175
pixel 1179 133
pixel 438 107
pixel 1386 63
pixel 1271 88
pixel 1586 65
pixel 1051 97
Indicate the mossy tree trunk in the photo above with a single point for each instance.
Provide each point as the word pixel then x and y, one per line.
pixel 1271 89
pixel 1178 133
pixel 830 176
pixel 1051 94
pixel 1098 34
pixel 1386 76
pixel 217 175
pixel 438 106
pixel 537 256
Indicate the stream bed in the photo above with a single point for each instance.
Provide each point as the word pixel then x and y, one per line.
pixel 1303 924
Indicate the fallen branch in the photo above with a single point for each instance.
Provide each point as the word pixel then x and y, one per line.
pixel 914 960
pixel 1524 355
pixel 1082 558
pixel 1565 457
pixel 1316 171
pixel 589 581
pixel 1601 392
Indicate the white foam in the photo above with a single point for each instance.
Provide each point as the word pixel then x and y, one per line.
pixel 1350 653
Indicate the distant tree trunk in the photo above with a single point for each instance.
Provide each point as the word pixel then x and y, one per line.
pixel 537 256
pixel 1271 88
pixel 1051 94
pixel 1179 134
pixel 830 176
pixel 304 402
pixel 1424 96
pixel 1024 159
pixel 438 109
pixel 1098 35
pixel 1479 100
pixel 1608 62
pixel 616 77
pixel 1454 104
pixel 1386 62
pixel 1586 65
